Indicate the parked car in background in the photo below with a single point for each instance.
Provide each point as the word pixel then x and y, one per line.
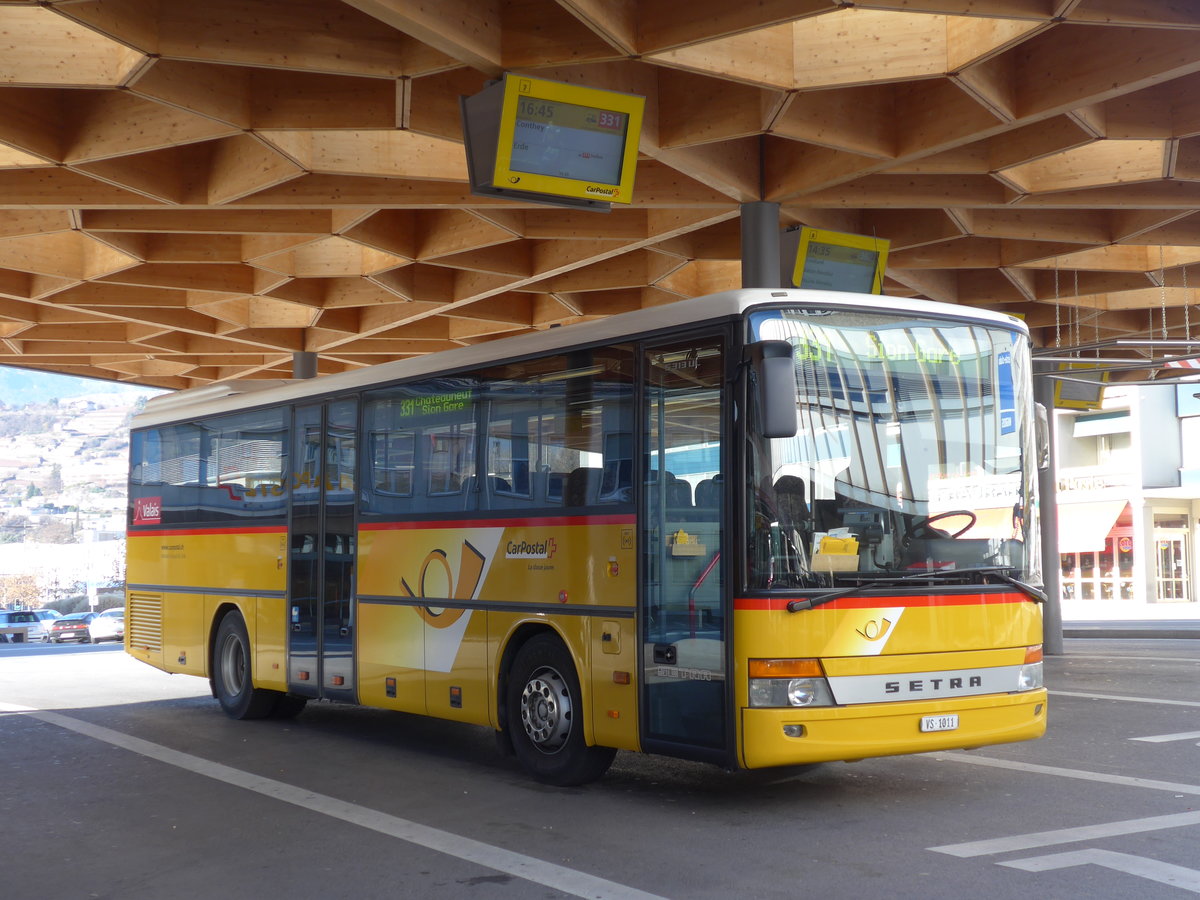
pixel 72 627
pixel 108 625
pixel 24 618
pixel 48 617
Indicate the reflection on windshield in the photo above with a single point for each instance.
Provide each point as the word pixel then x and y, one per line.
pixel 914 451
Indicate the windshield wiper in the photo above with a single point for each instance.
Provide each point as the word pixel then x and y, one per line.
pixel 927 575
pixel 998 571
pixel 829 596
pixel 995 571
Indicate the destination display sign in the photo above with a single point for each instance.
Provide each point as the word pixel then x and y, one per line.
pixel 550 142
pixel 833 261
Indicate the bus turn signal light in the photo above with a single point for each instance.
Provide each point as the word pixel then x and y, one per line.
pixel 786 668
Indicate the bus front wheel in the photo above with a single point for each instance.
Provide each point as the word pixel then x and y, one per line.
pixel 232 675
pixel 545 716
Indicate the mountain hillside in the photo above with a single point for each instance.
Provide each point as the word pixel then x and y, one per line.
pixel 64 445
pixel 20 387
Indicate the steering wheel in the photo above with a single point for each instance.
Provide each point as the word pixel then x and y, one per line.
pixel 922 528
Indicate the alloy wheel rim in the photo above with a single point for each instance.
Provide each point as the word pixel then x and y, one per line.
pixel 546 710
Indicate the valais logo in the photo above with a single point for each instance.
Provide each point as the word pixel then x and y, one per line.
pixel 147 510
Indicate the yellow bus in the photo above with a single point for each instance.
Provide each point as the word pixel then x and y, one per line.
pixel 759 528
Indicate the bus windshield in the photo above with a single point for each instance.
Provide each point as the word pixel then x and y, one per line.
pixel 914 453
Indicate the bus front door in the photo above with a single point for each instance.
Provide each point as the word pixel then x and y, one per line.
pixel 322 552
pixel 684 618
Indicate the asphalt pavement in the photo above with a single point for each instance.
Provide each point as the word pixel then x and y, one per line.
pixel 123 782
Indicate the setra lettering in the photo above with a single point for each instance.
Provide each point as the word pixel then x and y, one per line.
pixel 920 685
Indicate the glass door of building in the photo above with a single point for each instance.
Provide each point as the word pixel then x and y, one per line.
pixel 1170 567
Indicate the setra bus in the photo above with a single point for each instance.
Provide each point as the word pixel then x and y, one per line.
pixel 759 528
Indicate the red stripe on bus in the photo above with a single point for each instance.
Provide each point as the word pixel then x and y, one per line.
pixel 540 522
pixel 215 529
pixel 779 604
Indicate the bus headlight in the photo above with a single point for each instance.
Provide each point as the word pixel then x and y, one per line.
pixel 768 692
pixel 1029 677
pixel 788 683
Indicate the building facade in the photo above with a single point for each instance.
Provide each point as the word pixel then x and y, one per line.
pixel 1129 503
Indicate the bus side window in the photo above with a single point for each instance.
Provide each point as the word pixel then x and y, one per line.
pixel 421 447
pixel 582 487
pixel 559 430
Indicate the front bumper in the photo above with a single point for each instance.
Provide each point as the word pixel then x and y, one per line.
pixel 887 729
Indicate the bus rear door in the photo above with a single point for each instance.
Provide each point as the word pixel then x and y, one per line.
pixel 321 537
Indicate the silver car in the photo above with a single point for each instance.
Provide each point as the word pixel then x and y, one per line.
pixel 108 626
pixel 48 616
pixel 25 619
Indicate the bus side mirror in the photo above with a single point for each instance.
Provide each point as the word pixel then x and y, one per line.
pixel 1041 425
pixel 773 366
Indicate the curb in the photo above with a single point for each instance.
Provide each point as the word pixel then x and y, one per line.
pixel 1167 630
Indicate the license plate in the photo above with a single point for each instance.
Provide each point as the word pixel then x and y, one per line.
pixel 939 723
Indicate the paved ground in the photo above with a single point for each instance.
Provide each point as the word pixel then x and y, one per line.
pixel 122 782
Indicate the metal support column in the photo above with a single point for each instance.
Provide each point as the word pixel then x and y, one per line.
pixel 304 364
pixel 1052 627
pixel 760 245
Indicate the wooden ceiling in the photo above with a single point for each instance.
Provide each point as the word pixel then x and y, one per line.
pixel 193 191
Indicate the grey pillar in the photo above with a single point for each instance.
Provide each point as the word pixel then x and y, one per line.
pixel 760 245
pixel 1052 638
pixel 304 364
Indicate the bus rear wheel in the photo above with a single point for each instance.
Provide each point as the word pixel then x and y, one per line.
pixel 232 675
pixel 545 716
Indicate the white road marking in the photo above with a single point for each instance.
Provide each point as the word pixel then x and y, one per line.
pixel 1078 774
pixel 1126 699
pixel 1141 866
pixel 1069 835
pixel 559 878
pixel 1166 738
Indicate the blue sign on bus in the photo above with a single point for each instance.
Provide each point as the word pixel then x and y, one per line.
pixel 1007 394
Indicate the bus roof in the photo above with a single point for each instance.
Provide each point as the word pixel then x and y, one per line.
pixel 229 396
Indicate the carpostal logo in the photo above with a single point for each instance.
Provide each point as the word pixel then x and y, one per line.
pixel 147 510
pixel 603 191
pixel 530 549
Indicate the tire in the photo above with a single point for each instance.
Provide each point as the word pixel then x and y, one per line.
pixel 232 675
pixel 546 716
